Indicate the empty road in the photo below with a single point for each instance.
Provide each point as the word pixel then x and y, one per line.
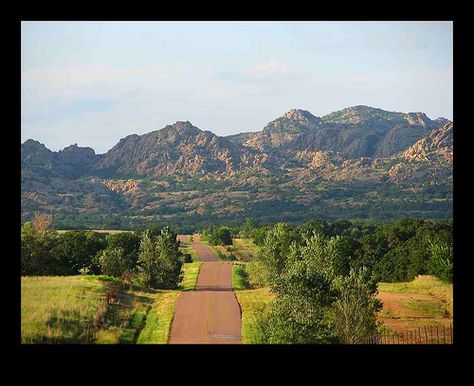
pixel 211 314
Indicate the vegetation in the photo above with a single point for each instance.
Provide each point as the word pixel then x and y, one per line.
pixel 158 262
pixel 240 279
pixel 255 304
pixel 71 309
pixel 159 319
pixel 217 236
pixel 59 309
pixel 190 275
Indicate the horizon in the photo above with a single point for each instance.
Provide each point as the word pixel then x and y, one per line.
pixel 92 83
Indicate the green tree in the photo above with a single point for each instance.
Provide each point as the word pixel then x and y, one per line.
pixel 355 311
pixel 75 250
pixel 441 260
pixel 159 263
pixel 114 262
pixel 36 251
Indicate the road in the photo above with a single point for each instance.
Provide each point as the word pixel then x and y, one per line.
pixel 211 314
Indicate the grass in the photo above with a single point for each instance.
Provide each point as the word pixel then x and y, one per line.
pixel 187 248
pixel 244 248
pixel 62 309
pixel 59 309
pixel 424 285
pixel 191 272
pixel 254 303
pixel 240 280
pixel 125 319
pixel 425 301
pixel 159 319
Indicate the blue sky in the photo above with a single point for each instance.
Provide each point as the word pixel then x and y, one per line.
pixel 92 83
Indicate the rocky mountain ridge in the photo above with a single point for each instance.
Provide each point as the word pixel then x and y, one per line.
pixel 296 165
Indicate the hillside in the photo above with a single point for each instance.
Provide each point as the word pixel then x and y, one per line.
pixel 359 162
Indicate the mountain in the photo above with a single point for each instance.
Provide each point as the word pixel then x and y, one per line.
pixel 177 148
pixel 358 131
pixel 356 162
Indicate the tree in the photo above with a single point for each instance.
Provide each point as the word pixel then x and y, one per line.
pixel 441 260
pixel 42 223
pixel 317 298
pixel 159 263
pixel 114 262
pixel 130 244
pixel 76 250
pixel 36 251
pixel 355 310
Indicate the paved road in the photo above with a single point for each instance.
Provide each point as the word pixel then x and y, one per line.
pixel 211 314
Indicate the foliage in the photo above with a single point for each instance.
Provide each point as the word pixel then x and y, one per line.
pixel 114 262
pixel 159 263
pixel 441 260
pixel 307 275
pixel 217 236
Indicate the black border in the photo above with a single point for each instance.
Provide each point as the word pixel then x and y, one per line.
pixel 404 355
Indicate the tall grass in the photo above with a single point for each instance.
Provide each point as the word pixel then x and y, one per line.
pixel 59 309
pixel 254 304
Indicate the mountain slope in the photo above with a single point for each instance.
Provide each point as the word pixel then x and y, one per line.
pixel 177 148
pixel 357 162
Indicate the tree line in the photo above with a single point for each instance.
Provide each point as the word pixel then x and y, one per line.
pixel 149 258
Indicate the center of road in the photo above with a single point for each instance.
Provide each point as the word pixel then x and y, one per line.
pixel 211 314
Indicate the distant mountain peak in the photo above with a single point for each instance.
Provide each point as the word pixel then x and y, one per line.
pixel 298 114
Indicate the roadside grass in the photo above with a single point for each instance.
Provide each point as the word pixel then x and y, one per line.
pixel 240 280
pixel 187 248
pixel 242 248
pixel 159 319
pixel 254 304
pixel 190 275
pixel 125 319
pixel 58 309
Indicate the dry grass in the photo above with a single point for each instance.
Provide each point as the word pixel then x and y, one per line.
pixel 425 301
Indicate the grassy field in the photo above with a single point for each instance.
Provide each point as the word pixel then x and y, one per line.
pixel 242 248
pixel 59 309
pixel 109 231
pixel 191 272
pixel 425 301
pixel 62 309
pixel 253 302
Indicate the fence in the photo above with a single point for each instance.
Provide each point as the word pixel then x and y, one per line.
pixel 110 297
pixel 421 335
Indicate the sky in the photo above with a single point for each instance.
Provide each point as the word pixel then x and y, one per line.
pixel 92 83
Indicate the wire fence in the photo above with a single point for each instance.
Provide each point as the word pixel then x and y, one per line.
pixel 421 335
